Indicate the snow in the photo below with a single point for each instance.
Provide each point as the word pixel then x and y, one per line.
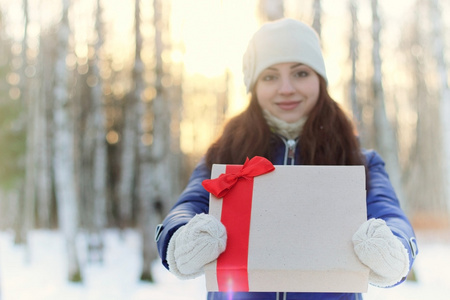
pixel 43 277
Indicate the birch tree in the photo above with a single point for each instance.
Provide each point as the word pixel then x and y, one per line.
pixel 30 108
pixel 153 150
pixel 129 137
pixel 317 24
pixel 43 172
pixel 37 188
pixel 63 160
pixel 271 10
pixel 438 45
pixel 100 163
pixel 94 149
pixel 424 173
pixel 353 88
pixel 45 179
pixel 384 134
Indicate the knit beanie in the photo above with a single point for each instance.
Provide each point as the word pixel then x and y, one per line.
pixel 282 41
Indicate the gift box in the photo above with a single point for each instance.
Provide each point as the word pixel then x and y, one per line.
pixel 289 228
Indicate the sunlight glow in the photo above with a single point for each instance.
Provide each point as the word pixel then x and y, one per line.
pixel 211 37
pixel 214 33
pixel 208 39
pixel 112 137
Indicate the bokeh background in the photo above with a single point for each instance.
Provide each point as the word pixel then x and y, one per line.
pixel 107 105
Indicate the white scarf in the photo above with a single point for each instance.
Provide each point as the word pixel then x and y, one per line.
pixel 288 130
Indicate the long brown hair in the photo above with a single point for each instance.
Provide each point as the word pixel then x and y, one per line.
pixel 328 136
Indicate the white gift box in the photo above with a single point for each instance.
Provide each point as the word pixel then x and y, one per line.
pixel 295 234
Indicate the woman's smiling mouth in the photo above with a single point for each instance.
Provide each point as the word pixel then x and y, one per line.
pixel 288 105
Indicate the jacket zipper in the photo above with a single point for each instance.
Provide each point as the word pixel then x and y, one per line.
pixel 289 156
pixel 281 294
pixel 291 145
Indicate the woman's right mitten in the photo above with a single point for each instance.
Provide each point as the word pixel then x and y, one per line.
pixel 196 244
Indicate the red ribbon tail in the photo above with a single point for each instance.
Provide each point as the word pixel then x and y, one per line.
pixel 211 186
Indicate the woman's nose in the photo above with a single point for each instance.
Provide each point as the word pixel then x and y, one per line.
pixel 286 87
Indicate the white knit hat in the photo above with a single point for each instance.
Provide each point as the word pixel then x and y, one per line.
pixel 285 40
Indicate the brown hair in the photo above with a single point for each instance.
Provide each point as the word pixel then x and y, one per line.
pixel 328 136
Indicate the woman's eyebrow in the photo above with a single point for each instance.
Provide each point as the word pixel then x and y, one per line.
pixel 297 65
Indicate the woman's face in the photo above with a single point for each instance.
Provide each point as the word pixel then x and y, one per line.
pixel 288 91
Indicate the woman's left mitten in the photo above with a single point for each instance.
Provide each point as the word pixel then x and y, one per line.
pixel 196 244
pixel 379 249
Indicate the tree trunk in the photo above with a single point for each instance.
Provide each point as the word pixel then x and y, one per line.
pixel 63 161
pixel 317 24
pixel 424 173
pixel 154 179
pixel 43 173
pixel 99 154
pixel 127 176
pixel 271 10
pixel 438 43
pixel 385 137
pixel 354 49
pixel 144 141
pixel 30 169
pixel 45 187
pixel 130 138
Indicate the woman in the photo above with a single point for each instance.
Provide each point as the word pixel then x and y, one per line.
pixel 291 119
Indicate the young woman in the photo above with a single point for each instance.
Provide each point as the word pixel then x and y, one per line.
pixel 291 120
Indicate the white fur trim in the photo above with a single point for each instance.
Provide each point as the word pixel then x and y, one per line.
pixel 379 249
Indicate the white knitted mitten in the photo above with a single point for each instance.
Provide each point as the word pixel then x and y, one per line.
pixel 194 245
pixel 379 249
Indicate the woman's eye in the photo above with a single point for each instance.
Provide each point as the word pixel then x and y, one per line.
pixel 269 77
pixel 301 73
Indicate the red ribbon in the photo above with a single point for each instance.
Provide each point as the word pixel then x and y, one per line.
pixel 235 186
pixel 220 186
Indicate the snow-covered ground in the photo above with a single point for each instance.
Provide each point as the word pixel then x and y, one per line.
pixel 43 277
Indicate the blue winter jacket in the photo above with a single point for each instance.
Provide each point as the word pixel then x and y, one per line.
pixel 381 203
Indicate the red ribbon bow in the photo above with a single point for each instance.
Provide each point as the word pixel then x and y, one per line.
pixel 221 185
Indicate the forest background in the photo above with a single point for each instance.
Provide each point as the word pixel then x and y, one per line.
pixel 106 106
